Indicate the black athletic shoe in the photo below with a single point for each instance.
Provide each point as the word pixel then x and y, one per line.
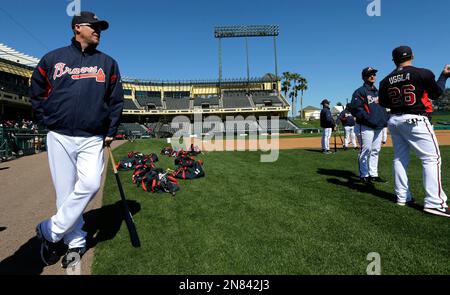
pixel 71 258
pixel 49 251
pixel 438 211
pixel 406 203
pixel 377 179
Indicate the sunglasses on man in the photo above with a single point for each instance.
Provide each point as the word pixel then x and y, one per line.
pixel 92 26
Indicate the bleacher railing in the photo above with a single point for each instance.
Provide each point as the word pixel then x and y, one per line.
pixel 16 142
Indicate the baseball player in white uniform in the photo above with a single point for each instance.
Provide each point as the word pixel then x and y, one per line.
pixel 77 93
pixel 407 91
pixel 371 118
pixel 328 125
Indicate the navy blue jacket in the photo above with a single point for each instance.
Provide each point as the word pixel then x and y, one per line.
pixel 78 93
pixel 364 106
pixel 346 118
pixel 326 120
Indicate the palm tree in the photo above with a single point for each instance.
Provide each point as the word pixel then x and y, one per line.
pixel 295 88
pixel 286 84
pixel 299 84
pixel 303 86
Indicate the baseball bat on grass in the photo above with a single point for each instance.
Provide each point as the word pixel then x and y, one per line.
pixel 128 218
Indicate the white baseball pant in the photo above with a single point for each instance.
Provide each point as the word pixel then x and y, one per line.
pixel 370 145
pixel 416 132
pixel 76 166
pixel 326 135
pixel 349 136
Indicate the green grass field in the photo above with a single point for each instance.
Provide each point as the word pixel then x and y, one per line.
pixel 304 214
pixel 441 118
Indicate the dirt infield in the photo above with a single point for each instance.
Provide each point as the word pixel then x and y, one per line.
pixel 287 143
pixel 443 137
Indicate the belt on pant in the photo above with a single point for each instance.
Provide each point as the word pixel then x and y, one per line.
pixel 417 114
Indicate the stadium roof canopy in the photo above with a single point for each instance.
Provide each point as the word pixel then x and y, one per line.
pixel 13 55
pixel 264 79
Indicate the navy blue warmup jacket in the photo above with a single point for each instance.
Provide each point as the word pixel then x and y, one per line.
pixel 326 119
pixel 364 106
pixel 78 93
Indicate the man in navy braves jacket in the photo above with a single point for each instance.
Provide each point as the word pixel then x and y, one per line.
pixel 77 93
pixel 328 124
pixel 371 118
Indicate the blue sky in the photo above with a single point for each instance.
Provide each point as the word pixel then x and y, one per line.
pixel 327 41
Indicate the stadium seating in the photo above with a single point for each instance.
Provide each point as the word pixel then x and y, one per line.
pixel 133 128
pixel 129 105
pixel 236 99
pixel 176 94
pixel 283 126
pixel 241 126
pixel 237 125
pixel 177 103
pixel 14 84
pixel 145 94
pixel 267 100
pixel 148 98
pixel 211 102
pixel 146 101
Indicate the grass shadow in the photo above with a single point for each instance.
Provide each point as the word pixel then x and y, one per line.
pixel 103 224
pixel 314 151
pixel 352 181
pixel 25 261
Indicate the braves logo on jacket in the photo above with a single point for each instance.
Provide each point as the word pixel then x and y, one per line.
pixel 79 73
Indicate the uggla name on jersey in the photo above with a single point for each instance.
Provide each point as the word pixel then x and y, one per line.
pixel 399 78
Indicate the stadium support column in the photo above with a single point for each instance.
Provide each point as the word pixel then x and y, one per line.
pixel 244 31
pixel 248 65
pixel 220 66
pixel 276 61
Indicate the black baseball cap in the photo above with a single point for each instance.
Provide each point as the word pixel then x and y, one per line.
pixel 89 18
pixel 325 101
pixel 367 71
pixel 401 54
